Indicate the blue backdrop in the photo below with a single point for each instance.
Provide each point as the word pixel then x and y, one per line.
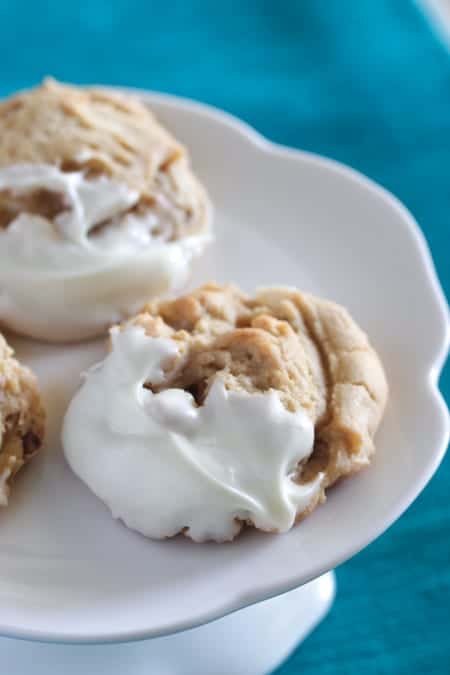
pixel 363 81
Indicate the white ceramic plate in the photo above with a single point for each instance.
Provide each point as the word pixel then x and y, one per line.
pixel 69 572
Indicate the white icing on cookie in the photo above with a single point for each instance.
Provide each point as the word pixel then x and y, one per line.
pixel 82 282
pixel 163 464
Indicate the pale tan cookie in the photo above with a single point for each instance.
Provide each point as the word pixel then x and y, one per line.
pixel 101 133
pixel 307 349
pixel 22 418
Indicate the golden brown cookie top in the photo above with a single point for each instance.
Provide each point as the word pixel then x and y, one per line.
pixel 73 127
pixel 101 133
pixel 307 349
pixel 22 417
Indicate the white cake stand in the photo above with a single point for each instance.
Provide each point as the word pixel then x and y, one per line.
pixel 73 577
pixel 253 641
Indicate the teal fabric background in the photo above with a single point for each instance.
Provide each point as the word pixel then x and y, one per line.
pixel 363 81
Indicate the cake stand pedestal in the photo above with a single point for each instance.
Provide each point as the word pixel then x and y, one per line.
pixel 254 641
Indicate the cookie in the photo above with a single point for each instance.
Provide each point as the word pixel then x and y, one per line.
pixel 101 133
pixel 22 418
pixel 99 211
pixel 308 350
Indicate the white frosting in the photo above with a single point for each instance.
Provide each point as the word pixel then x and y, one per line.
pixel 81 283
pixel 161 463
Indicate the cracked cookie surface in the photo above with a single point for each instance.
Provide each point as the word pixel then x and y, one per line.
pixel 309 350
pixel 101 133
pixel 22 418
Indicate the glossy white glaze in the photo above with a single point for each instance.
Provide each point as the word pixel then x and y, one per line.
pixel 162 464
pixel 84 281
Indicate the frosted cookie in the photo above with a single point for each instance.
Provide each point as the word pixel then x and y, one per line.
pixel 22 418
pixel 216 410
pixel 99 210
